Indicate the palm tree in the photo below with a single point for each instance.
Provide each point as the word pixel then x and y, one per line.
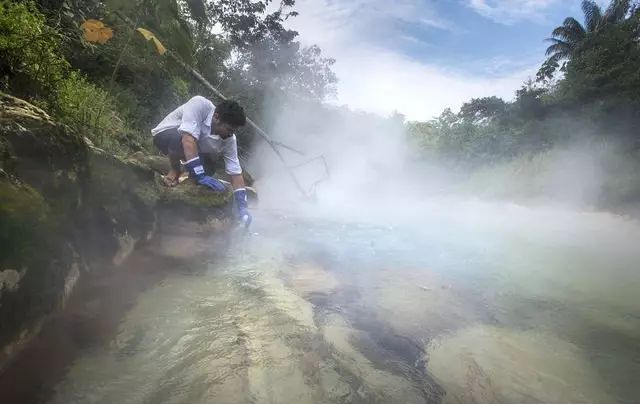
pixel 568 37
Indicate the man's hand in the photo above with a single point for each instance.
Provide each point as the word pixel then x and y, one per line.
pixel 196 171
pixel 194 165
pixel 240 198
pixel 242 209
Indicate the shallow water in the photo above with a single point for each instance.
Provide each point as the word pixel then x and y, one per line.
pixel 530 307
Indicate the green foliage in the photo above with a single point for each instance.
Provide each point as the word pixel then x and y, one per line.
pixel 485 129
pixel 30 63
pixel 270 63
pixel 255 60
pixel 23 217
pixel 598 98
pixel 180 87
pixel 571 36
pixel 606 65
pixel 246 22
pixel 33 67
pixel 547 70
pixel 89 110
pixel 482 110
pixel 593 173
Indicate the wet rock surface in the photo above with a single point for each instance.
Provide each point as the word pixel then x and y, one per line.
pixel 68 208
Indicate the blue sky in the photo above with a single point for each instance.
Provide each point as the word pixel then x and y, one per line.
pixel 468 34
pixel 420 56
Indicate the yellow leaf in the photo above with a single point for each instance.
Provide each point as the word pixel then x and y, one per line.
pixel 149 36
pixel 146 33
pixel 96 32
pixel 159 46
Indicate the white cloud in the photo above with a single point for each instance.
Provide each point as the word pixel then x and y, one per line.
pixel 384 81
pixel 338 23
pixel 511 11
pixel 374 76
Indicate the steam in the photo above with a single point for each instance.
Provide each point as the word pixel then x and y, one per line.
pixel 585 174
pixel 377 177
pixel 366 154
pixel 550 200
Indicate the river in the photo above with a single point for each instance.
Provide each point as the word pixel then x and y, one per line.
pixel 492 304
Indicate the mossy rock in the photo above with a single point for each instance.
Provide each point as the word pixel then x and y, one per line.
pixel 196 196
pixel 20 111
pixel 33 250
pixel 24 217
pixel 65 202
pixel 79 179
pixel 186 192
pixel 160 164
pixel 28 132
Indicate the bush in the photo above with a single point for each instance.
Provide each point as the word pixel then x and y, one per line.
pixel 30 63
pixel 90 110
pixel 591 173
pixel 32 67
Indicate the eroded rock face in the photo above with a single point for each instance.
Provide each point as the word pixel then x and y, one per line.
pixel 67 208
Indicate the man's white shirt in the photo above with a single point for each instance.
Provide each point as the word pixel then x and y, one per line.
pixel 195 117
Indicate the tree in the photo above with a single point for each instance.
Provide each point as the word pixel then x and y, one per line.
pixel 246 22
pixel 482 110
pixel 269 65
pixel 529 103
pixel 571 35
pixel 604 79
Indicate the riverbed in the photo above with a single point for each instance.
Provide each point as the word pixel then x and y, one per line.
pixel 501 304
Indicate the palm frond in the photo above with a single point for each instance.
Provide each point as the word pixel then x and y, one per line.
pixel 555 58
pixel 562 33
pixel 572 25
pixel 617 11
pixel 570 31
pixel 559 49
pixel 592 15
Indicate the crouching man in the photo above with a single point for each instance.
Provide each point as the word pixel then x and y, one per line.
pixel 199 128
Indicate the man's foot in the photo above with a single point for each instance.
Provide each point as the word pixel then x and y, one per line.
pixel 170 181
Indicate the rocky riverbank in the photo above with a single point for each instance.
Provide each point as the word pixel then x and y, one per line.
pixel 68 209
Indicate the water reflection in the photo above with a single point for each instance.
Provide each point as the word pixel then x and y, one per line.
pixel 311 312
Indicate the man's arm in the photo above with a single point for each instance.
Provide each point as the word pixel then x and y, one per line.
pixel 237 181
pixel 240 197
pixel 233 168
pixel 189 146
pixel 232 163
pixel 190 150
pixel 194 165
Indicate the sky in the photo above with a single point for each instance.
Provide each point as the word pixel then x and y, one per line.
pixel 418 57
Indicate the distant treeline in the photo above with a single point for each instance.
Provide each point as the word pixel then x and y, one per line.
pixel 589 87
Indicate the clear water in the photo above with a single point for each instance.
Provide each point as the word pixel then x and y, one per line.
pixel 511 306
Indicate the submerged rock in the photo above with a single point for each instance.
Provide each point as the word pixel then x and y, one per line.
pixel 484 364
pixel 310 279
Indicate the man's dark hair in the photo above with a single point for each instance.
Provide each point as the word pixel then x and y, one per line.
pixel 231 112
